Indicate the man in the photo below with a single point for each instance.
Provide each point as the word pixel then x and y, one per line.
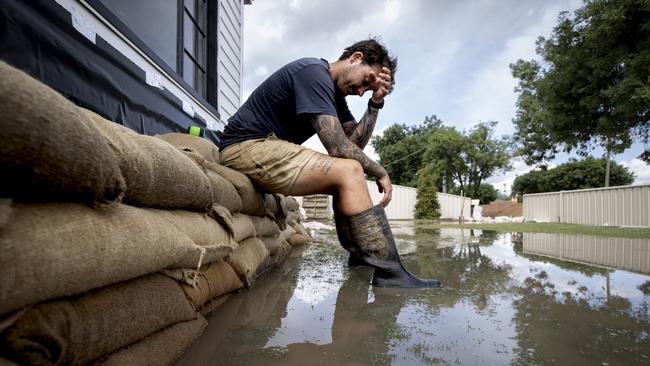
pixel 307 96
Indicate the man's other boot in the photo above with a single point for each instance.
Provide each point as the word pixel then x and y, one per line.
pixel 343 232
pixel 372 240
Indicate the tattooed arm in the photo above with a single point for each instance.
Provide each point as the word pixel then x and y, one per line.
pixel 333 137
pixel 331 134
pixel 360 133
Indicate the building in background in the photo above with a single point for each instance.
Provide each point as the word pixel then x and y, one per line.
pixel 155 66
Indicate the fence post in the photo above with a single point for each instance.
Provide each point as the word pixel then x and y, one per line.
pixel 561 207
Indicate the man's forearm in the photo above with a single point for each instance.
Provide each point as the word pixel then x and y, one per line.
pixel 363 130
pixel 331 134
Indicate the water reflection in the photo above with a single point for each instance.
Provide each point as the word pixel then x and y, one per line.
pixel 508 299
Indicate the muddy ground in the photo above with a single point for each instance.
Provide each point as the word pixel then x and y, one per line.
pixel 503 208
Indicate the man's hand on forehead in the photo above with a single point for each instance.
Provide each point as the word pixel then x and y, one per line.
pixel 380 83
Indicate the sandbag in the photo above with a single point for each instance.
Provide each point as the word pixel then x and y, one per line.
pixel 278 251
pixel 275 209
pixel 291 204
pixel 286 233
pixel 264 226
pixel 272 244
pixel 246 258
pixel 5 211
pixel 156 173
pixel 293 218
pixel 61 249
pixel 208 150
pixel 49 150
pixel 301 230
pixel 224 193
pixel 201 228
pixel 298 239
pixel 252 199
pixel 243 227
pixel 217 279
pixel 159 349
pixel 77 330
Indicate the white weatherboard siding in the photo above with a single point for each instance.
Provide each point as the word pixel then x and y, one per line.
pixel 619 206
pixel 229 56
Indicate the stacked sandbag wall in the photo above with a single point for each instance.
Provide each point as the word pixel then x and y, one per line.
pixel 113 242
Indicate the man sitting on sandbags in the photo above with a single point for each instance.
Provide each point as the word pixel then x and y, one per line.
pixel 307 96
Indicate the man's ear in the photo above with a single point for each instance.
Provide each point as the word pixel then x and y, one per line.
pixel 357 56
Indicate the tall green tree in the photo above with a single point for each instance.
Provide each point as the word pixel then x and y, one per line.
pixel 468 157
pixel 427 206
pixel 576 174
pixel 400 149
pixel 486 193
pixel 592 87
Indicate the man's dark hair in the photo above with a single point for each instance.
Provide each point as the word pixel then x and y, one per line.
pixel 373 53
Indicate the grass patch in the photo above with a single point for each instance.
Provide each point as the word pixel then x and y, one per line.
pixel 549 227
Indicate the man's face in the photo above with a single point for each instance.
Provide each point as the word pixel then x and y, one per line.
pixel 357 77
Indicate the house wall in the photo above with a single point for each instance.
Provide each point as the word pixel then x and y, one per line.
pixel 83 52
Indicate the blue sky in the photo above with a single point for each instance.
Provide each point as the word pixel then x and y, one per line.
pixel 453 56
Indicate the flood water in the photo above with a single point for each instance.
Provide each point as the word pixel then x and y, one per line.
pixel 522 299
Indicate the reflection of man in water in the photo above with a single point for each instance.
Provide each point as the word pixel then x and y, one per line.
pixel 307 97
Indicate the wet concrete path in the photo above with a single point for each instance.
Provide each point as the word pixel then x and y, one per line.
pixel 508 299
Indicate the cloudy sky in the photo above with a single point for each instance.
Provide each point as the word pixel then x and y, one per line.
pixel 453 56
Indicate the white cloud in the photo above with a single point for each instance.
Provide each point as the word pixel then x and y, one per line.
pixel 640 169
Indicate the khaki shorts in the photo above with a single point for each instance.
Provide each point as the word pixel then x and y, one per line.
pixel 272 164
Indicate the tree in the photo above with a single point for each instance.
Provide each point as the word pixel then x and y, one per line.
pixel 576 174
pixel 486 193
pixel 400 149
pixel 469 158
pixel 426 205
pixel 593 86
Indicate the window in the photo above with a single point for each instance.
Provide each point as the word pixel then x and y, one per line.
pixel 195 44
pixel 175 30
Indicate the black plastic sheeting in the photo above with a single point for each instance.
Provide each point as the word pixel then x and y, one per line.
pixel 38 38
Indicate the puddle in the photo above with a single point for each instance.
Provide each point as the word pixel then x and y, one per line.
pixel 508 299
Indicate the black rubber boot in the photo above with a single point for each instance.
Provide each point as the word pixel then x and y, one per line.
pixel 343 232
pixel 372 240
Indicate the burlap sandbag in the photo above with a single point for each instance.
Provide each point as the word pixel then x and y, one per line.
pixel 61 249
pixel 5 211
pixel 77 330
pixel 291 203
pixel 156 173
pixel 298 239
pixel 252 199
pixel 278 250
pixel 272 244
pixel 293 218
pixel 159 349
pixel 48 148
pixel 245 259
pixel 202 229
pixel 264 226
pixel 217 279
pixel 243 227
pixel 301 230
pixel 276 209
pixel 224 193
pixel 286 233
pixel 203 146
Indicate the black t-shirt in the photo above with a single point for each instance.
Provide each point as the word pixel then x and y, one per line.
pixel 283 103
